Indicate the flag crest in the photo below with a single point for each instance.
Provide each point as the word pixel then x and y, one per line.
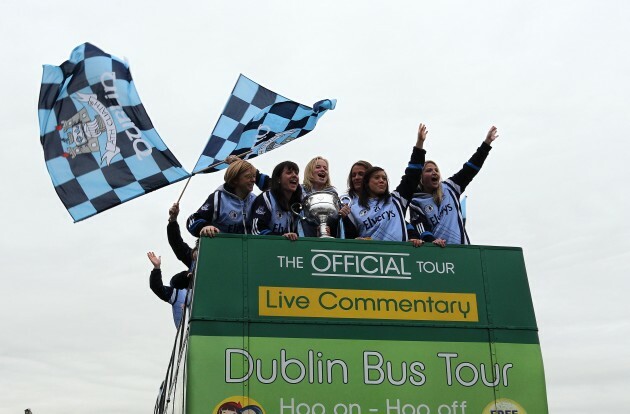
pixel 100 146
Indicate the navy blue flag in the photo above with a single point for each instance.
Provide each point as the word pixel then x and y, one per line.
pixel 99 144
pixel 255 121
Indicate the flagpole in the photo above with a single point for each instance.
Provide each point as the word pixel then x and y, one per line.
pixel 206 169
pixel 186 186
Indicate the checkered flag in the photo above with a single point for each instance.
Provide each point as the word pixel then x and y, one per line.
pixel 255 121
pixel 99 144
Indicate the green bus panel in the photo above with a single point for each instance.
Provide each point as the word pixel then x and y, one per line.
pixel 347 326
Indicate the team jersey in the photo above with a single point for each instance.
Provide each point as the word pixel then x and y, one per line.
pixel 384 219
pixel 225 210
pixel 176 297
pixel 177 300
pixel 444 221
pixel 268 218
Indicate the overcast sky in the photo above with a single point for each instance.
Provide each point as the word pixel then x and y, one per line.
pixel 82 330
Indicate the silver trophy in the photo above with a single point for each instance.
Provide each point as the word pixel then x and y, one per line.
pixel 321 208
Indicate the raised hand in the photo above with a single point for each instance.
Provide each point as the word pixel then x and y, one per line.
pixel 492 135
pixel 173 212
pixel 230 159
pixel 422 135
pixel 155 260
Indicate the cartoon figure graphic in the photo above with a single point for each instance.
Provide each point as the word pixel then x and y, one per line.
pixel 229 407
pixel 251 409
pixel 82 133
pixel 234 405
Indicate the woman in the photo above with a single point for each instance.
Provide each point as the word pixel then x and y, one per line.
pixel 379 214
pixel 227 209
pixel 435 211
pixel 271 211
pixel 355 177
pixel 176 294
pixel 316 177
pixel 355 182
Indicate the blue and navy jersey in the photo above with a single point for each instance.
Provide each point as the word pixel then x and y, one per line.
pixel 384 219
pixel 176 297
pixel 381 219
pixel 445 221
pixel 225 211
pixel 439 222
pixel 177 301
pixel 268 218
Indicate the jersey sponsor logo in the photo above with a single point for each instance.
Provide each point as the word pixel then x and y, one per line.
pixel 279 228
pixel 435 219
pixel 233 228
pixel 373 221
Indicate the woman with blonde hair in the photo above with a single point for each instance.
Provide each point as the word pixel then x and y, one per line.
pixel 316 177
pixel 228 209
pixel 435 210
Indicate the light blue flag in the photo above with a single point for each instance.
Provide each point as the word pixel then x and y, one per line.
pixel 255 121
pixel 99 144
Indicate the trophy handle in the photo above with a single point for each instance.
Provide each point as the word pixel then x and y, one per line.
pixel 296 208
pixel 345 199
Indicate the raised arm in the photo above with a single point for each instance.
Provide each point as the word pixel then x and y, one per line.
pixel 263 181
pixel 174 235
pixel 469 170
pixel 409 181
pixel 155 280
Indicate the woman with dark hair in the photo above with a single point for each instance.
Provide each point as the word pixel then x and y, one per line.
pixel 379 214
pixel 435 210
pixel 355 182
pixel 355 177
pixel 271 211
pixel 227 209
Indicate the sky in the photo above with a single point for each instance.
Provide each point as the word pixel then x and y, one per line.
pixel 82 330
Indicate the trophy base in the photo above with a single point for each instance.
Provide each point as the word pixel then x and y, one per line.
pixel 326 237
